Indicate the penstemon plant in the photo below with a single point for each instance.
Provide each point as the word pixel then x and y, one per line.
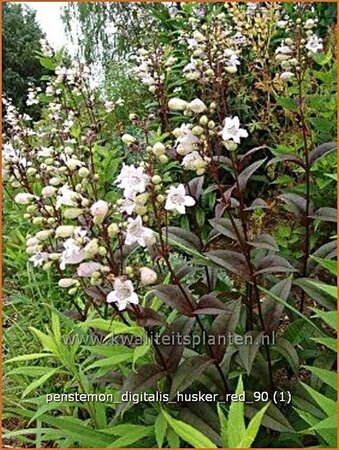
pixel 155 233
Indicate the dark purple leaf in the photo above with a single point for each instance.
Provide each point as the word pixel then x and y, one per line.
pixel 183 237
pixel 247 173
pixel 289 158
pixel 271 309
pixel 265 241
pixel 95 293
pixel 256 204
pixel 171 342
pixel 195 187
pixel 147 317
pixel 325 214
pixel 222 327
pixel 146 377
pixel 296 205
pixel 321 150
pixel 174 297
pixel 243 159
pixel 187 372
pixel 223 160
pixel 209 304
pixel 248 351
pixel 226 228
pixel 272 264
pixel 232 261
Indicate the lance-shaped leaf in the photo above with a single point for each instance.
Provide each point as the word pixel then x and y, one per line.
pixel 322 293
pixel 233 261
pixel 195 187
pixel 328 251
pixel 184 237
pixel 271 309
pixel 321 151
pixel 209 304
pixel 258 203
pixel 296 204
pixel 172 347
pixel 226 228
pixel 287 350
pixel 274 419
pixel 202 416
pixel 244 159
pixel 249 350
pixel 265 241
pixel 325 214
pixel 187 372
pixel 176 298
pixel 247 173
pixel 272 264
pixel 287 158
pixel 148 317
pixel 146 377
pixel 221 329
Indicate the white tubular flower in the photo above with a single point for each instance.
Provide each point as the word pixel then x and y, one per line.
pixel 232 130
pixel 123 294
pixel 23 198
pixel 88 268
pixel 287 75
pixel 186 143
pixel 147 276
pixel 309 24
pixel 284 50
pixel 197 106
pixel 136 232
pixel 177 199
pixel 314 44
pixel 133 180
pixel 99 211
pixel 72 254
pixel 128 139
pixel 39 258
pixel 64 231
pixel 177 104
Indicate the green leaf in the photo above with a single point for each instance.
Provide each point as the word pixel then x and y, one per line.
pixel 288 103
pixel 286 349
pixel 327 376
pixel 236 421
pixel 327 264
pixel 328 405
pixel 330 343
pixel 37 383
pixel 223 427
pixel 329 317
pixel 328 423
pixel 112 361
pixel 253 428
pixel 27 357
pixel 129 434
pixel 160 428
pixel 113 326
pixel 188 433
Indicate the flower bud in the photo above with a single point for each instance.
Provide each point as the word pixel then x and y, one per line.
pixel 72 213
pixel 99 209
pixel 47 265
pixel 160 198
pixel 211 124
pixel 158 149
pixel 231 69
pixel 64 231
pixel 197 106
pixel 23 198
pixel 230 145
pixel 163 159
pixel 147 276
pixel 102 251
pixel 203 120
pixel 112 230
pixel 177 104
pixel 48 191
pixel 156 179
pixel 92 248
pixel 72 291
pixel 31 171
pixel 55 181
pixel 83 172
pixel 44 234
pixel 128 139
pixel 128 270
pixel 38 220
pixel 197 130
